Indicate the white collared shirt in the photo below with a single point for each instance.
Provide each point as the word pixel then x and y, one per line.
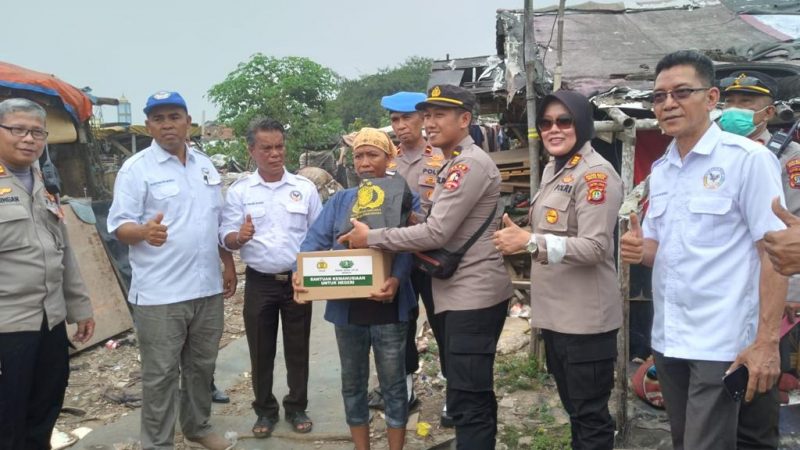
pixel 282 212
pixel 707 212
pixel 187 266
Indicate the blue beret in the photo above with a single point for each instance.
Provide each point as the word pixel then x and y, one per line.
pixel 403 102
pixel 164 98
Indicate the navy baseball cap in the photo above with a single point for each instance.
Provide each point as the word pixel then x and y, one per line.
pixel 403 102
pixel 164 98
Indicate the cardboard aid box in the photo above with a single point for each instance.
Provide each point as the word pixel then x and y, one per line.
pixel 343 274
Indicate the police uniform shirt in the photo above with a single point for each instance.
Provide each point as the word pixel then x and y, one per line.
pixel 574 215
pixel 38 271
pixel 419 168
pixel 282 212
pixel 707 212
pixel 187 266
pixel 790 177
pixel 467 190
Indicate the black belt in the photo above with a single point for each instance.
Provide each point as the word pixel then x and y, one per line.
pixel 283 277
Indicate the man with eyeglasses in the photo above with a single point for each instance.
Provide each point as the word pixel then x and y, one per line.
pixel 749 106
pixel 41 288
pixel 266 217
pixel 167 208
pixel 717 299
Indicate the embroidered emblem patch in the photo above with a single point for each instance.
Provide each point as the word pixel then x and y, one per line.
pixel 437 157
pixel 714 178
pixel 296 196
pixel 454 176
pixel 551 216
pixel 793 171
pixel 369 200
pixel 596 182
pixel 568 179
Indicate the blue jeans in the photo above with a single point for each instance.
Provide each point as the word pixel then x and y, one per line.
pixel 389 347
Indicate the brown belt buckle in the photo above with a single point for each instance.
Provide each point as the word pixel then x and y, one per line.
pixel 281 277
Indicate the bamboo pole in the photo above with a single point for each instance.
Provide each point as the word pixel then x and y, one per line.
pixel 560 40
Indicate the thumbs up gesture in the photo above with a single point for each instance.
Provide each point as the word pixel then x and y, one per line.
pixel 783 247
pixel 632 242
pixel 155 233
pixel 511 238
pixel 246 231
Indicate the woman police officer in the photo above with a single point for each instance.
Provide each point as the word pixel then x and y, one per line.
pixel 574 293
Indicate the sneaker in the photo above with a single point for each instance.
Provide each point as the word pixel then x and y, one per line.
pixel 218 396
pixel 445 420
pixel 211 441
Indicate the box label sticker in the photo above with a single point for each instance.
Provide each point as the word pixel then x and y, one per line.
pixel 336 271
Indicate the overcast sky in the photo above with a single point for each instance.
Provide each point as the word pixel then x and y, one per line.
pixel 138 47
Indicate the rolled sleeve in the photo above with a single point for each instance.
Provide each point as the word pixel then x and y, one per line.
pixel 762 183
pixel 128 203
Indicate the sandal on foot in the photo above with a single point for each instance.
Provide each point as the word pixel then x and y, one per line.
pixel 264 427
pixel 300 421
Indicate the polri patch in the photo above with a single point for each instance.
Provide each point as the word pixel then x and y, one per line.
pixel 596 182
pixel 454 176
pixel 793 171
pixel 565 188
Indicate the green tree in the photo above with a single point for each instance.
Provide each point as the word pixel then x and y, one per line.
pixel 293 90
pixel 359 100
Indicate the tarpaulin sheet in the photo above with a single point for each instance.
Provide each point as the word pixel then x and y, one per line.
pixel 75 101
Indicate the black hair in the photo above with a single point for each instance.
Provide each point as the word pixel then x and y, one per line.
pixel 702 64
pixel 262 124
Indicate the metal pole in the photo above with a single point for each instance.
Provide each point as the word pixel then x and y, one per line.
pixel 529 53
pixel 560 39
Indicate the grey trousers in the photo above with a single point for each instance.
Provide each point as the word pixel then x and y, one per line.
pixel 177 342
pixel 702 414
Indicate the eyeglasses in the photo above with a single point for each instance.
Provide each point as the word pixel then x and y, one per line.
pixel 39 135
pixel 677 94
pixel 562 122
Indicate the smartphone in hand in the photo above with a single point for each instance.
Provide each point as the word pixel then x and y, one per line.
pixel 736 382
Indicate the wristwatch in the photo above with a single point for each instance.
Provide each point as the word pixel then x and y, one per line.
pixel 532 247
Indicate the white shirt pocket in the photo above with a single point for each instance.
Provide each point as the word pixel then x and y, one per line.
pixel 297 216
pixel 710 220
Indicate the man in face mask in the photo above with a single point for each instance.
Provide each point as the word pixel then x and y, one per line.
pixel 749 106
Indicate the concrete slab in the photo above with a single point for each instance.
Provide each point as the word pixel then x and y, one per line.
pixel 325 403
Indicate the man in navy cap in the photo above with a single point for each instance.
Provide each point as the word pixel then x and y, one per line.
pixel 417 162
pixel 167 207
pixel 749 98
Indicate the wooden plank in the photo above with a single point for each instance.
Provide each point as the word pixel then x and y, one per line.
pixel 111 314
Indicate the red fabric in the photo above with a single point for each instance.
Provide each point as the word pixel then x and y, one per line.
pixel 69 94
pixel 650 145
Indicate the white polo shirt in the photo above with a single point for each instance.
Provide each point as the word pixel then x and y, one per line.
pixel 187 266
pixel 707 212
pixel 282 212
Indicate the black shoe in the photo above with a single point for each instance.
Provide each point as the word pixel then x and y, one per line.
pixel 413 402
pixel 218 396
pixel 446 421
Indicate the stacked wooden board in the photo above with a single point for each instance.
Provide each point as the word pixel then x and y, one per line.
pixel 515 169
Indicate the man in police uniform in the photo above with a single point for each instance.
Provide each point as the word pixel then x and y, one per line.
pixel 473 303
pixel 266 217
pixel 749 106
pixel 703 236
pixel 167 207
pixel 41 288
pixel 417 162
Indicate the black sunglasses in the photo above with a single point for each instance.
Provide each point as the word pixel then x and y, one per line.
pixel 562 122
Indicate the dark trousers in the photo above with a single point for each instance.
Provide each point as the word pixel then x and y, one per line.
pixel 583 367
pixel 34 370
pixel 702 414
pixel 265 301
pixel 470 342
pixel 422 288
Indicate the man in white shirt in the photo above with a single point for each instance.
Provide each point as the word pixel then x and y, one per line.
pixel 717 299
pixel 266 217
pixel 167 208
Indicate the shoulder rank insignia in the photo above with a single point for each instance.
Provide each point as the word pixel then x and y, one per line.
pixel 3 172
pixel 574 161
pixel 596 182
